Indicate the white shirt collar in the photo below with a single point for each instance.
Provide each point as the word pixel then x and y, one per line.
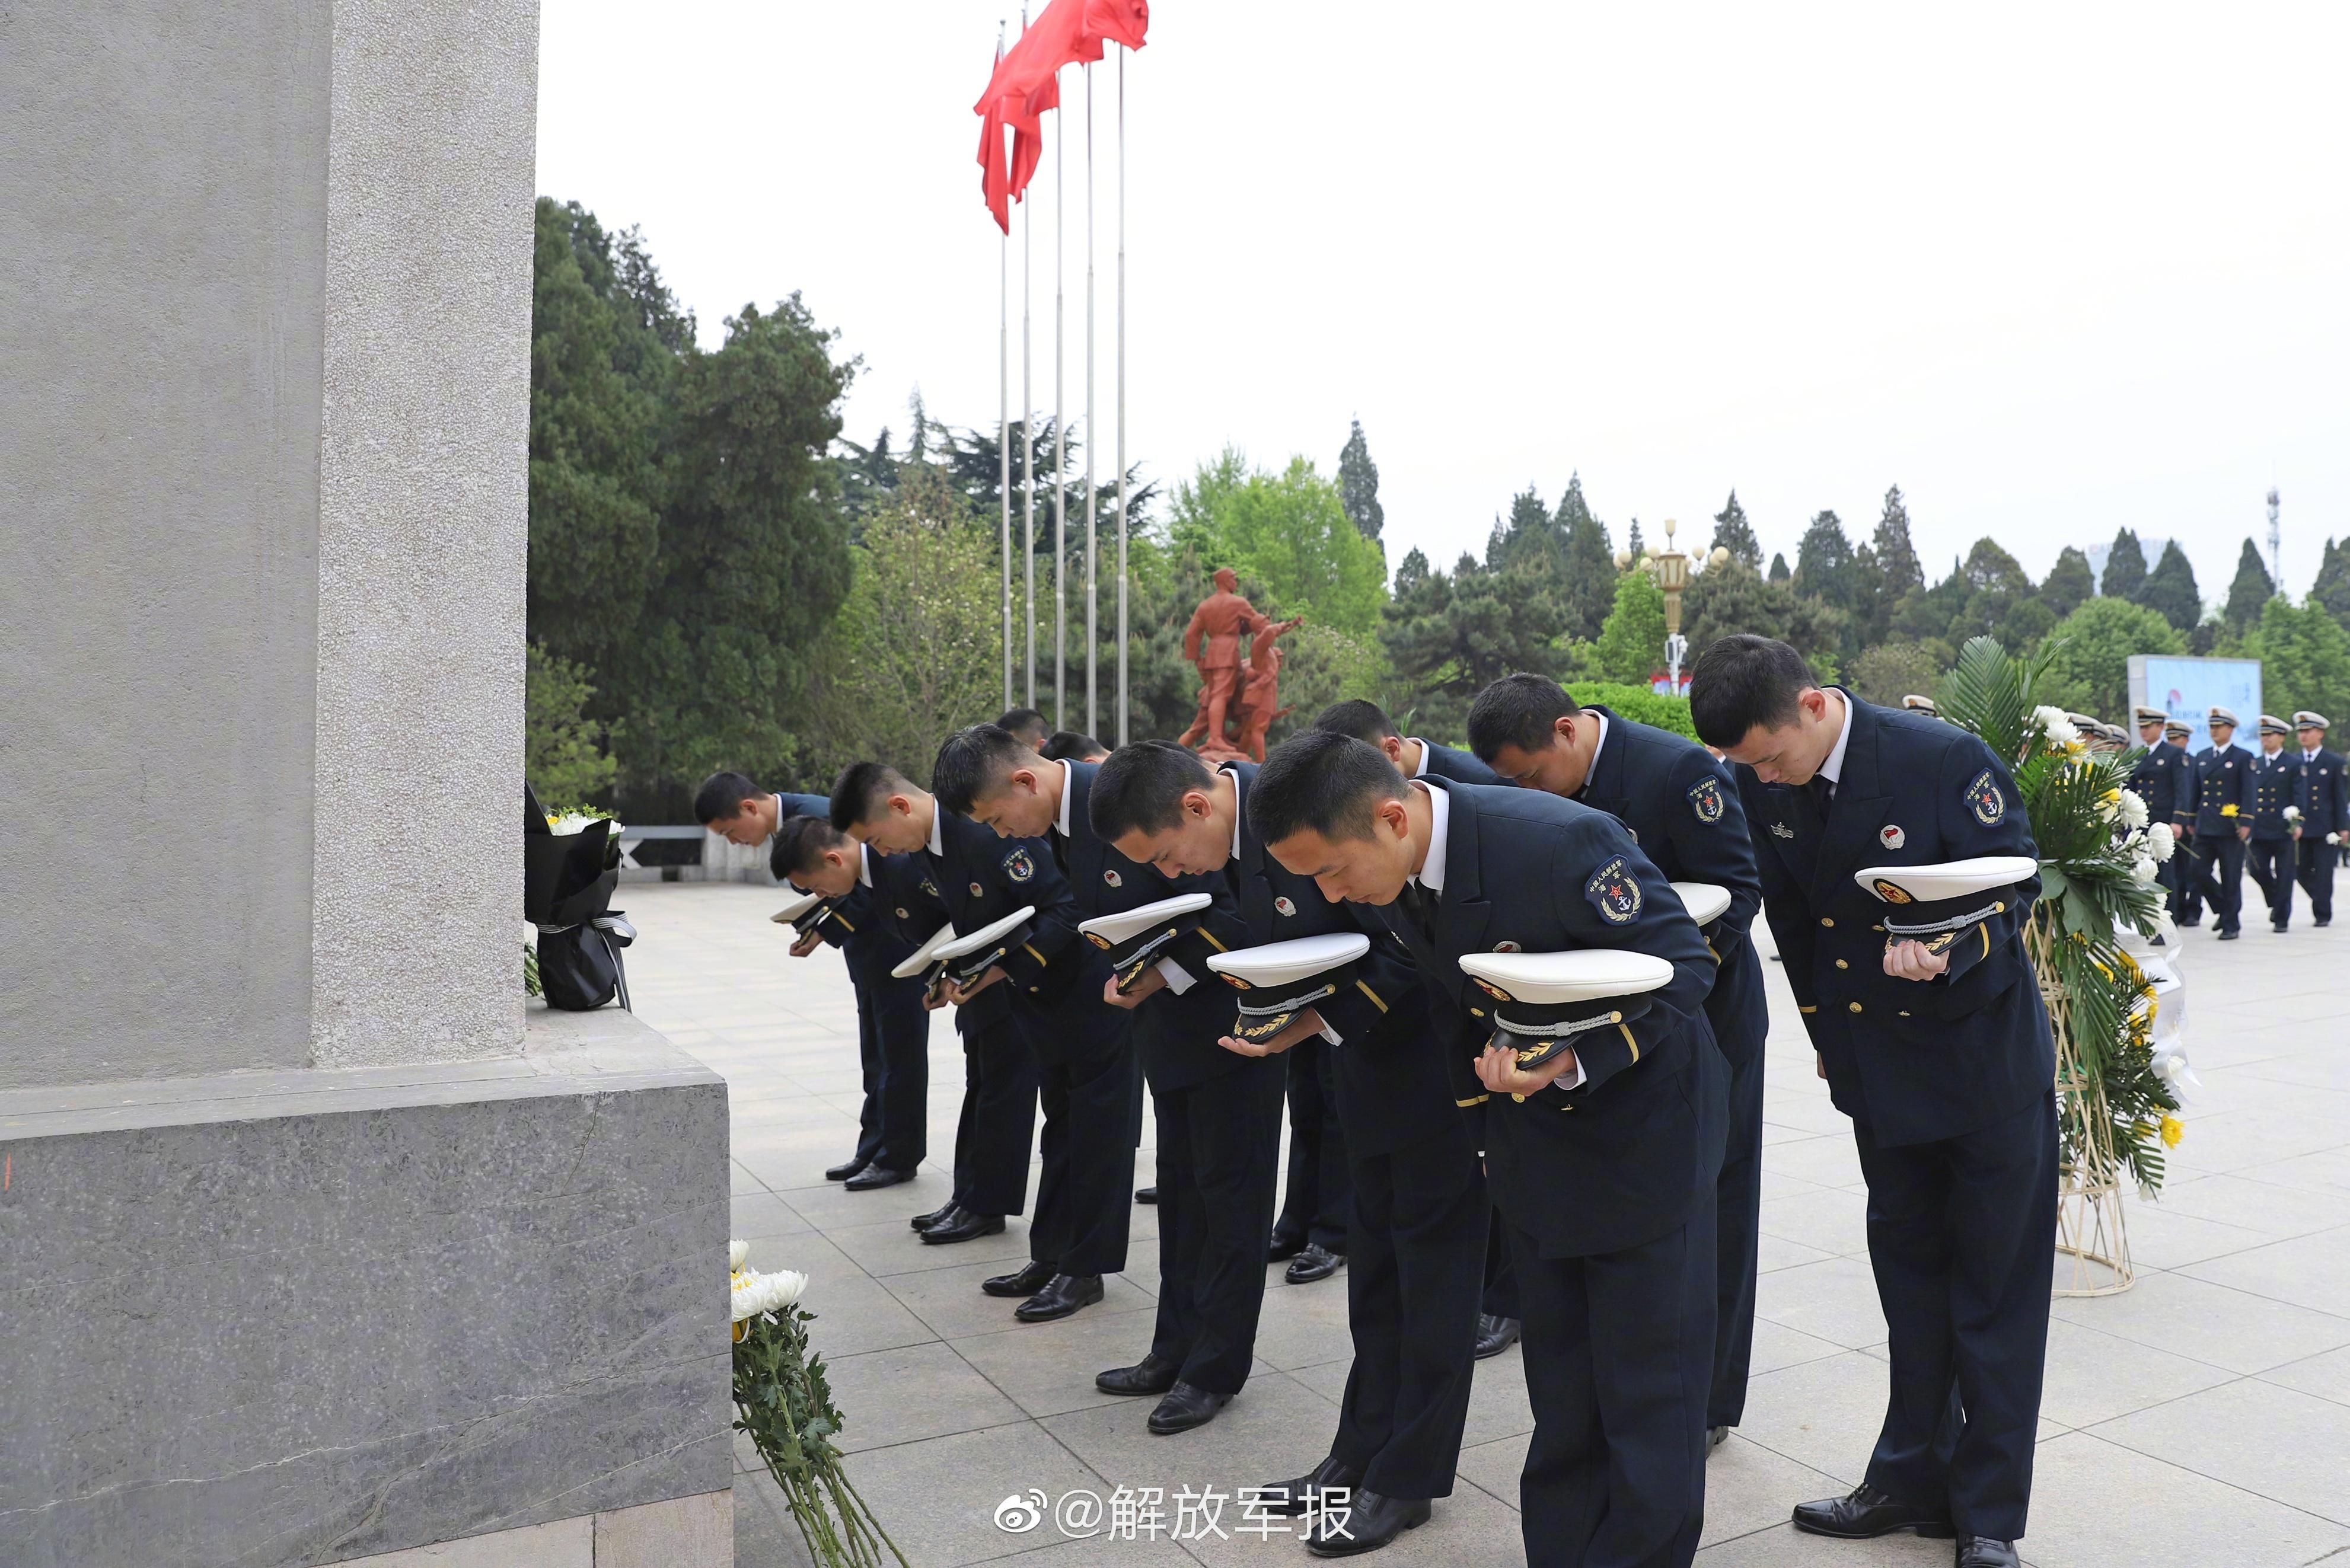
pixel 938 829
pixel 1069 793
pixel 2308 756
pixel 1597 747
pixel 1832 769
pixel 1439 821
pixel 864 864
pixel 1419 770
pixel 1236 809
pixel 779 813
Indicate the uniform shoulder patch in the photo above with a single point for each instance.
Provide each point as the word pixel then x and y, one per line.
pixel 1018 867
pixel 1983 799
pixel 1705 799
pixel 1614 893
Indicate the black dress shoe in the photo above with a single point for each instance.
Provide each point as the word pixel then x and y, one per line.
pixel 1062 1294
pixel 1185 1406
pixel 1715 1437
pixel 965 1226
pixel 873 1177
pixel 1495 1334
pixel 1865 1513
pixel 2279 928
pixel 2188 925
pixel 1287 1499
pixel 938 1216
pixel 1364 1522
pixel 1146 1195
pixel 1281 1248
pixel 1025 1280
pixel 2230 936
pixel 1151 1375
pixel 1315 1261
pixel 2321 925
pixel 1982 1551
pixel 846 1169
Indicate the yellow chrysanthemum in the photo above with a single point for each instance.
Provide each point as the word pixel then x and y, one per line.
pixel 2173 1129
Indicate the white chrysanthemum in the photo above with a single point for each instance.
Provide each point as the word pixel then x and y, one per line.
pixel 735 1253
pixel 785 1288
pixel 578 822
pixel 758 1293
pixel 2293 813
pixel 2133 809
pixel 750 1291
pixel 2056 726
pixel 2162 841
pixel 2142 871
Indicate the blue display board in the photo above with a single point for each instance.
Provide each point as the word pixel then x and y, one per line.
pixel 2186 688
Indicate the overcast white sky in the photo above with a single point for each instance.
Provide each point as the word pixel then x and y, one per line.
pixel 2053 269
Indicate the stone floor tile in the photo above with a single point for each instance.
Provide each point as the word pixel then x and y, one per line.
pixel 2327 1375
pixel 916 1391
pixel 1772 1253
pixel 952 1302
pixel 2094 1502
pixel 2238 1140
pixel 2278 1443
pixel 1824 1414
pixel 2264 1207
pixel 1835 1301
pixel 1300 1326
pixel 938 1497
pixel 854 1316
pixel 2162 1237
pixel 1823 1161
pixel 830 1206
pixel 1782 1545
pixel 2326 1172
pixel 1749 1487
pixel 763 1214
pixel 1494 1468
pixel 2210 1322
pixel 2094 1377
pixel 763 1536
pixel 1498 1404
pixel 1777 1346
pixel 888 1247
pixel 1830 1219
pixel 2308 1270
pixel 1047 1368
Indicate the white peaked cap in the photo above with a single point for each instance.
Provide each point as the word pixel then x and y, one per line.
pixel 1950 879
pixel 796 908
pixel 1115 929
pixel 923 957
pixel 1280 963
pixel 2219 715
pixel 989 933
pixel 1706 900
pixel 1589 975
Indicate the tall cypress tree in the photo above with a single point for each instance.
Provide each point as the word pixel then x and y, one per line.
pixel 1632 540
pixel 2332 588
pixel 1779 572
pixel 1589 591
pixel 1893 564
pixel 2069 583
pixel 2249 592
pixel 1358 487
pixel 1823 563
pixel 2170 589
pixel 1734 534
pixel 2125 574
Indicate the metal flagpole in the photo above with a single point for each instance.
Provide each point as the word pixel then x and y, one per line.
pixel 1093 637
pixel 1003 411
pixel 1121 396
pixel 1060 459
pixel 1027 433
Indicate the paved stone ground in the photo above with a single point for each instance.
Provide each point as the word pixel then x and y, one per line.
pixel 2202 1417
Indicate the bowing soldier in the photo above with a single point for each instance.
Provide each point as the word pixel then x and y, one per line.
pixel 1683 809
pixel 2275 811
pixel 881 907
pixel 1027 724
pixel 2325 822
pixel 1415 759
pixel 1415 1231
pixel 1940 1051
pixel 2156 780
pixel 2222 806
pixel 1603 1156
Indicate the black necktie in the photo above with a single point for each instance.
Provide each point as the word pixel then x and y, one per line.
pixel 1420 908
pixel 1823 790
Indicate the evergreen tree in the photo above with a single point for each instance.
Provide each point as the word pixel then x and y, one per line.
pixel 2249 592
pixel 2125 574
pixel 1732 532
pixel 1447 637
pixel 1894 571
pixel 1823 563
pixel 2170 589
pixel 1633 543
pixel 1526 538
pixel 1631 645
pixel 2070 583
pixel 1779 572
pixel 2088 671
pixel 1358 486
pixel 1587 586
pixel 2332 588
pixel 1999 599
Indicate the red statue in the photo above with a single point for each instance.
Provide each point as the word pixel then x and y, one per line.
pixel 1213 641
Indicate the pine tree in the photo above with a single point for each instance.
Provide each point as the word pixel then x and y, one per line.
pixel 2332 588
pixel 2249 591
pixel 1823 563
pixel 2069 582
pixel 1358 486
pixel 2125 574
pixel 1633 545
pixel 1731 532
pixel 2170 589
pixel 1779 572
pixel 1587 589
pixel 1897 556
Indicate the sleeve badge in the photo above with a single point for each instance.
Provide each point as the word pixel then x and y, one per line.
pixel 1614 893
pixel 1983 799
pixel 1705 799
pixel 1018 867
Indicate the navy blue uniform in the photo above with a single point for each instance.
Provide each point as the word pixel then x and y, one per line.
pixel 2324 803
pixel 1453 767
pixel 2269 854
pixel 1950 1085
pixel 1608 1189
pixel 877 928
pixel 2222 802
pixel 2160 779
pixel 1416 1235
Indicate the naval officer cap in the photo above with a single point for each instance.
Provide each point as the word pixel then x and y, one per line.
pixel 2150 716
pixel 2305 720
pixel 2219 715
pixel 2177 729
pixel 968 958
pixel 1706 901
pixel 1544 1000
pixel 1916 704
pixel 2272 725
pixel 924 958
pixel 1932 904
pixel 805 913
pixel 1137 937
pixel 1281 979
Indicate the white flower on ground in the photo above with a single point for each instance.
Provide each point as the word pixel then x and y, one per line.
pixel 789 1286
pixel 757 1294
pixel 2162 841
pixel 735 1253
pixel 2133 810
pixel 2142 871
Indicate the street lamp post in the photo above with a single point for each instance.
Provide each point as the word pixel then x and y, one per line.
pixel 1672 568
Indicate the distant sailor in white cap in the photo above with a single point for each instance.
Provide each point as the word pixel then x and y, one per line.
pixel 2223 808
pixel 2323 834
pixel 1926 705
pixel 2160 780
pixel 2275 813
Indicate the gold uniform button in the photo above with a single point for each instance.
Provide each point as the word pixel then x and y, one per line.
pixel 1841 964
pixel 1476 1012
pixel 1825 922
pixel 1854 1005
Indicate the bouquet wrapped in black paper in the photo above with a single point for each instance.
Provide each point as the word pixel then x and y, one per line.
pixel 570 867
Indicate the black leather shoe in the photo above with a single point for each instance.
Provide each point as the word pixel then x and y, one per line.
pixel 2280 929
pixel 1982 1551
pixel 846 1169
pixel 1715 1437
pixel 1151 1375
pixel 2230 936
pixel 1062 1295
pixel 1281 1248
pixel 1146 1195
pixel 1185 1406
pixel 1315 1261
pixel 1364 1522
pixel 1495 1334
pixel 1287 1499
pixel 2321 925
pixel 1865 1514
pixel 2195 924
pixel 965 1226
pixel 1025 1280
pixel 938 1216
pixel 873 1177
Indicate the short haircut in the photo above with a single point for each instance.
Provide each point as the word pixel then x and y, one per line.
pixel 975 763
pixel 859 793
pixel 1322 780
pixel 1359 717
pixel 1742 681
pixel 1026 722
pixel 1071 746
pixel 800 842
pixel 721 795
pixel 1141 788
pixel 1518 711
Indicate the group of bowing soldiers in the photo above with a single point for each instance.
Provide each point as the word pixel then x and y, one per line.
pixel 1508 1156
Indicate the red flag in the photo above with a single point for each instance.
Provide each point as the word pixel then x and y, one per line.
pixel 1025 85
pixel 1120 21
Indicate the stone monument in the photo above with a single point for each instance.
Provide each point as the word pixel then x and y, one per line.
pixel 319 1247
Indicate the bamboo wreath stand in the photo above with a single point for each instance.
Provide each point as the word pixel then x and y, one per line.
pixel 2089 1225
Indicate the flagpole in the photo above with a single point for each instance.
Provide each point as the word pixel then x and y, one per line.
pixel 1093 637
pixel 1060 455
pixel 1027 429
pixel 1121 396
pixel 1003 411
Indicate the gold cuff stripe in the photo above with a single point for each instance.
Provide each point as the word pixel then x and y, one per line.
pixel 1374 995
pixel 1480 1100
pixel 1033 953
pixel 844 921
pixel 1209 937
pixel 1634 1044
pixel 1803 1009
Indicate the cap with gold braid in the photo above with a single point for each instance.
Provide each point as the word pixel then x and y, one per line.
pixel 925 958
pixel 1934 904
pixel 2219 715
pixel 965 959
pixel 805 913
pixel 1543 1001
pixel 2272 725
pixel 1281 979
pixel 2177 729
pixel 2151 716
pixel 1137 939
pixel 1916 704
pixel 2306 719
